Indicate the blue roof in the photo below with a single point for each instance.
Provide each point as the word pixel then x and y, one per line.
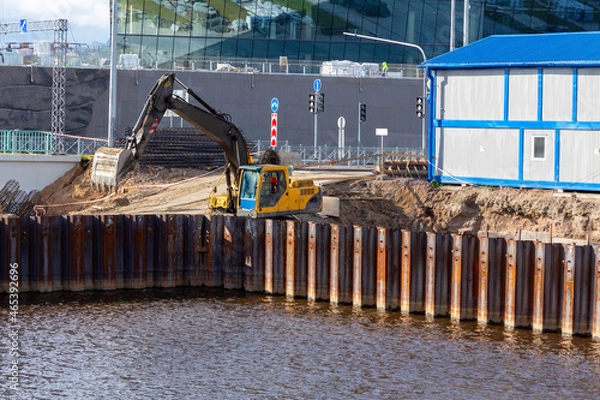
pixel 533 50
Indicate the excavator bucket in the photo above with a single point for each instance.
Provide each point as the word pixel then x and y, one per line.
pixel 109 165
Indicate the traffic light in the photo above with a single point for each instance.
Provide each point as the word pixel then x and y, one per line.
pixel 312 104
pixel 420 107
pixel 321 102
pixel 363 112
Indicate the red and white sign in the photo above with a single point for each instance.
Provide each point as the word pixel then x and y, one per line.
pixel 274 129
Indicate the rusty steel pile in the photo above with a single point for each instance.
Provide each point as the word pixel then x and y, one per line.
pixel 547 287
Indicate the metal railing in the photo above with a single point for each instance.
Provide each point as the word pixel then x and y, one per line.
pixel 79 145
pixel 96 59
pixel 43 142
pixel 302 67
pixel 347 156
pixel 17 141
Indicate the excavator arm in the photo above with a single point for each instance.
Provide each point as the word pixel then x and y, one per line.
pixel 111 164
pixel 151 115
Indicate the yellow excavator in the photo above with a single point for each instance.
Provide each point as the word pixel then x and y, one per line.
pixel 256 190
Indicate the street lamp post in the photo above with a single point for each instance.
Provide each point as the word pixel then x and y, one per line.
pixel 466 22
pixel 378 39
pixel 424 76
pixel 112 86
pixel 452 24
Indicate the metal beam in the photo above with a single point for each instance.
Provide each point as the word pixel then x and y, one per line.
pixel 59 84
pixel 32 26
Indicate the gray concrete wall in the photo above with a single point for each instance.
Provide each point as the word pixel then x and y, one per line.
pixel 26 103
pixel 34 172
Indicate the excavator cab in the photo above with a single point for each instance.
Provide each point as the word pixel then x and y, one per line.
pixel 268 191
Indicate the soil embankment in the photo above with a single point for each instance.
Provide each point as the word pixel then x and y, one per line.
pixel 393 203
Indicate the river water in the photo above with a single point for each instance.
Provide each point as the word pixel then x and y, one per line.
pixel 212 344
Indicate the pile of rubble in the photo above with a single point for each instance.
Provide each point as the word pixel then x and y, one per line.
pixel 14 201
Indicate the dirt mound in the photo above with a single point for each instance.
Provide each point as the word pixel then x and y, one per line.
pixel 69 190
pixel 144 190
pixel 419 205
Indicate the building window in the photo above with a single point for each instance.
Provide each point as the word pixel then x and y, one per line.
pixel 539 147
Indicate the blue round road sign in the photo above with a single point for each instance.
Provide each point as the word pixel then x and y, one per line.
pixel 317 85
pixel 274 104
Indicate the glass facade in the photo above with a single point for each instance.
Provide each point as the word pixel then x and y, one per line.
pixel 164 32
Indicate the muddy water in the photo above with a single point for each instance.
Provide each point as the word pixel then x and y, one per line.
pixel 198 344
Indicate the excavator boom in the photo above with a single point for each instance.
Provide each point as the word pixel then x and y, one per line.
pixel 110 164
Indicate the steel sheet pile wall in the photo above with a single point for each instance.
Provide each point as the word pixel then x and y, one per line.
pixel 105 252
pixel 521 284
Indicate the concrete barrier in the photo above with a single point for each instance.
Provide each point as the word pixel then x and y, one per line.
pixel 34 172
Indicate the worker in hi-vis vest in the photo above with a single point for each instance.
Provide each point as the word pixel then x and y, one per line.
pixel 384 68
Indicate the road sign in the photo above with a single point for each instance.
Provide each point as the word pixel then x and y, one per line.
pixel 341 122
pixel 23 25
pixel 317 85
pixel 381 131
pixel 274 104
pixel 274 129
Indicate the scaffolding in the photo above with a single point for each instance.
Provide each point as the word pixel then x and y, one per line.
pixel 59 69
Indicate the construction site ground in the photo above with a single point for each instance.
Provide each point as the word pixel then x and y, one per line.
pixel 366 200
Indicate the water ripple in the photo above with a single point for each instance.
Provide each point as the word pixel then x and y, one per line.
pixel 180 344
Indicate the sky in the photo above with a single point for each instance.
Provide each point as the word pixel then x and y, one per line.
pixel 88 20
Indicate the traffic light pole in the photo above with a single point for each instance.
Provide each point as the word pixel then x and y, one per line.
pixel 423 128
pixel 315 133
pixel 316 105
pixel 359 124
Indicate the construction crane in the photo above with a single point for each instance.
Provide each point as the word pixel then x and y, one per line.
pixel 59 68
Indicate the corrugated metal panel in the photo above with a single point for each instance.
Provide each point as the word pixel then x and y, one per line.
pixel 551 49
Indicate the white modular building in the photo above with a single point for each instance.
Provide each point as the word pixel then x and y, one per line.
pixel 517 110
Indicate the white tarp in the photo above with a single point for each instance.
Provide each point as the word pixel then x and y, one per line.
pixel 129 61
pixel 349 68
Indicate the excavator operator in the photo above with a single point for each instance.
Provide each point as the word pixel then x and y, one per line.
pixel 272 189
